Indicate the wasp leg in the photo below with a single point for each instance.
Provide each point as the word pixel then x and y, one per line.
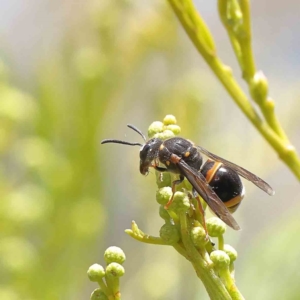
pixel 202 213
pixel 175 182
pixel 160 169
pixel 192 206
pixel 197 212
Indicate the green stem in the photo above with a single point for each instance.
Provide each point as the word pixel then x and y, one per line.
pixel 214 286
pixel 245 42
pixel 222 6
pixel 191 25
pixel 104 287
pixel 114 286
pixel 241 39
pixel 221 242
pixel 242 45
pixel 148 239
pixel 230 285
pixel 180 249
pixel 231 269
pixel 267 107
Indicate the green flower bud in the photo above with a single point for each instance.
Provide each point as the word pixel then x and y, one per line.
pixel 169 233
pixel 174 128
pixel 169 119
pixel 95 272
pixel 198 236
pixel 163 179
pixel 234 13
pixel 215 227
pixel 115 270
pixel 163 195
pixel 164 213
pixel 259 87
pixel 114 254
pixel 220 259
pixel 97 294
pixel 167 134
pixel 269 104
pixel 231 252
pixel 181 203
pixel 155 128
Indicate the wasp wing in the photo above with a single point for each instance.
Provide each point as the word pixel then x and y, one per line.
pixel 200 184
pixel 241 171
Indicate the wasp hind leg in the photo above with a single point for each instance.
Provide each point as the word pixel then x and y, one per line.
pixel 175 182
pixel 200 212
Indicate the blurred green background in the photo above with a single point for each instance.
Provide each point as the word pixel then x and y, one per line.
pixel 76 72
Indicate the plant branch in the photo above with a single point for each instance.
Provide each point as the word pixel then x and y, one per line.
pixel 271 130
pixel 235 16
pixel 139 235
pixel 213 284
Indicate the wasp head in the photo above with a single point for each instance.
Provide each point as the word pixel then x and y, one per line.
pixel 148 153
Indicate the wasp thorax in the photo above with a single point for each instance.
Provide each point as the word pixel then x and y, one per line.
pixel 148 153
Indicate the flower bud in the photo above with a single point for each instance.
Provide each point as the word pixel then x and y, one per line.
pixel 215 227
pixel 269 104
pixel 198 236
pixel 114 254
pixel 163 195
pixel 163 179
pixel 169 120
pixel 166 134
pixel 164 213
pixel 169 233
pixel 231 252
pixel 95 272
pixel 115 270
pixel 181 203
pixel 174 128
pixel 259 87
pixel 97 294
pixel 234 13
pixel 154 128
pixel 220 259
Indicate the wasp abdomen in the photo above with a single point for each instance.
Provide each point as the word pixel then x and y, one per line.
pixel 225 182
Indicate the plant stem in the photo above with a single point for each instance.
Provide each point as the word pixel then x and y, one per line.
pixel 241 42
pixel 230 285
pixel 148 239
pixel 104 287
pixel 180 249
pixel 213 284
pixel 191 22
pixel 221 242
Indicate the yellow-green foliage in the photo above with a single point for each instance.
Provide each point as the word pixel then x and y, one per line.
pixel 54 214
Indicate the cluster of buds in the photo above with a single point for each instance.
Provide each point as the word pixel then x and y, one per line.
pixel 108 278
pixel 164 130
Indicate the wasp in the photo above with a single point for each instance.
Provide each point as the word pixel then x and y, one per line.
pixel 217 181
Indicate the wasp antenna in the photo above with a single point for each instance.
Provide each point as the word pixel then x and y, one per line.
pixel 120 142
pixel 137 130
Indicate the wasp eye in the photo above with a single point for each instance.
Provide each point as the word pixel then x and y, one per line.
pixel 146 147
pixel 144 151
